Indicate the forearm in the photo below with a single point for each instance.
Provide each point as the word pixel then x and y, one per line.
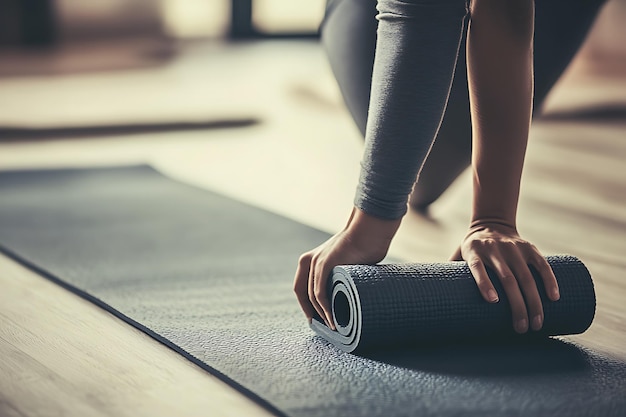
pixel 501 86
pixel 416 52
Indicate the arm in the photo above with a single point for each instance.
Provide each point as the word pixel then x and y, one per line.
pixel 416 50
pixel 500 61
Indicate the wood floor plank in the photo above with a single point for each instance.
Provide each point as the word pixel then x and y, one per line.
pixel 62 356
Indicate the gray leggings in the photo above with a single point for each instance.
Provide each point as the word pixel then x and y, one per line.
pixel 420 78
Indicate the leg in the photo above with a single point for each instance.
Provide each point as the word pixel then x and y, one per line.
pixel 561 26
pixel 450 154
pixel 349 38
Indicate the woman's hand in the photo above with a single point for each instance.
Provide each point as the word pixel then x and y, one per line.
pixel 364 240
pixel 500 248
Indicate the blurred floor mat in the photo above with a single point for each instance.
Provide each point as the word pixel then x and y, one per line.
pixel 101 55
pixel 211 278
pixel 10 134
pixel 197 87
pixel 598 113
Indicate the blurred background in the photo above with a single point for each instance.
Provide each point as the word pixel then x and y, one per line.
pixel 214 89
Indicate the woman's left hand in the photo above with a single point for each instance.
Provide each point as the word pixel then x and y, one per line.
pixel 500 248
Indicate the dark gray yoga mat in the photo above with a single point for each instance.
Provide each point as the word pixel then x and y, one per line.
pixel 382 306
pixel 211 278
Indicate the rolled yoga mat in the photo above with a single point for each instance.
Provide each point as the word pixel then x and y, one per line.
pixel 211 278
pixel 383 306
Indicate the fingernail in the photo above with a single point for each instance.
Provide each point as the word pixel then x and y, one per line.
pixel 537 323
pixel 556 295
pixel 493 296
pixel 521 326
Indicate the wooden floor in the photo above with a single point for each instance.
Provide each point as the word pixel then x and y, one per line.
pixel 63 356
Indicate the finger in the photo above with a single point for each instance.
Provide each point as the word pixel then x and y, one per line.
pixel 529 289
pixel 485 286
pixel 321 292
pixel 300 286
pixel 311 290
pixel 547 276
pixel 513 293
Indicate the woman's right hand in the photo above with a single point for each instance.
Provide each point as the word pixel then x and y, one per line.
pixel 364 240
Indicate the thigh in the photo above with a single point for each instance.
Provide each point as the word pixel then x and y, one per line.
pixel 349 39
pixel 561 26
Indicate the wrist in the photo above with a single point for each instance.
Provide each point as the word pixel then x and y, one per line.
pixel 371 233
pixel 498 222
pixel 495 198
pixel 491 226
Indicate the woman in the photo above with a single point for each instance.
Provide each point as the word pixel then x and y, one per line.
pixel 414 61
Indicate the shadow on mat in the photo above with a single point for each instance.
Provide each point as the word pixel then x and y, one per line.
pixel 535 357
pixel 601 113
pixel 14 134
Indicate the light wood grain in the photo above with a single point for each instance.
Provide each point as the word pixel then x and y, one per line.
pixel 61 356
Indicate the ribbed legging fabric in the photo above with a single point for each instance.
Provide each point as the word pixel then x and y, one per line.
pixel 401 68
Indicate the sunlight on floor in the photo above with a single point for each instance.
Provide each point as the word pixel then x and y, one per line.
pixel 273 16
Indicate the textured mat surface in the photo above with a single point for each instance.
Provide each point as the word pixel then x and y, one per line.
pixel 211 278
pixel 381 306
